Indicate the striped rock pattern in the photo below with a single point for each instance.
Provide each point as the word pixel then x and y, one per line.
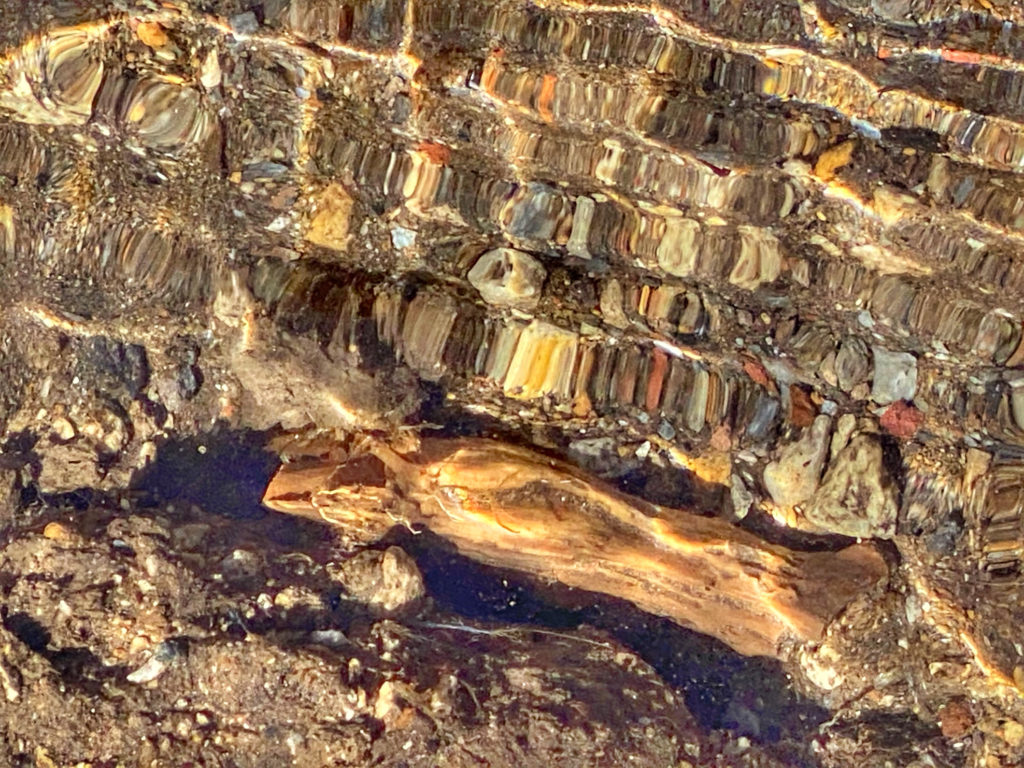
pixel 775 246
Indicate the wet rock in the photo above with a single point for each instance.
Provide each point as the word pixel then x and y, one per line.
pixel 1017 402
pixel 794 476
pixel 944 539
pixel 263 171
pixel 852 364
pixel 901 420
pixel 845 426
pixel 508 278
pixel 611 305
pixel 303 387
pixel 189 380
pixel 856 498
pixel 740 496
pixel 764 416
pixel 758 261
pixel 165 654
pixel 802 410
pixel 895 376
pixel 108 365
pixel 175 384
pixel 389 582
pixel 600 455
pixel 245 23
pixel 329 226
pixel 536 212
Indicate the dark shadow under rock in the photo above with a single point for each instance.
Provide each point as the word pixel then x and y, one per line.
pixel 223 471
pixel 750 697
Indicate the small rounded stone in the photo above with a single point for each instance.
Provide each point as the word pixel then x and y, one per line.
pixel 508 278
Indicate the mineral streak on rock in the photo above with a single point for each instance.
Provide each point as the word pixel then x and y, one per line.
pixel 514 508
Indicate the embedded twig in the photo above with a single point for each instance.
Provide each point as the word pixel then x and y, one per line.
pixel 518 509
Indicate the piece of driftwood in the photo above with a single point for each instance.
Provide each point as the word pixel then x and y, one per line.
pixel 514 508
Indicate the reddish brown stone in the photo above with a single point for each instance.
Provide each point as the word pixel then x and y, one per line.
pixel 757 372
pixel 902 420
pixel 955 719
pixel 801 407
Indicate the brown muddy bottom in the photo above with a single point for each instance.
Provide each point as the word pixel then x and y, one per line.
pixel 179 623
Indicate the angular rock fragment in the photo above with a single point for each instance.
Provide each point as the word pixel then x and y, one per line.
pixel 536 212
pixel 895 376
pixel 856 497
pixel 740 496
pixel 901 420
pixel 794 476
pixel 166 653
pixel 329 226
